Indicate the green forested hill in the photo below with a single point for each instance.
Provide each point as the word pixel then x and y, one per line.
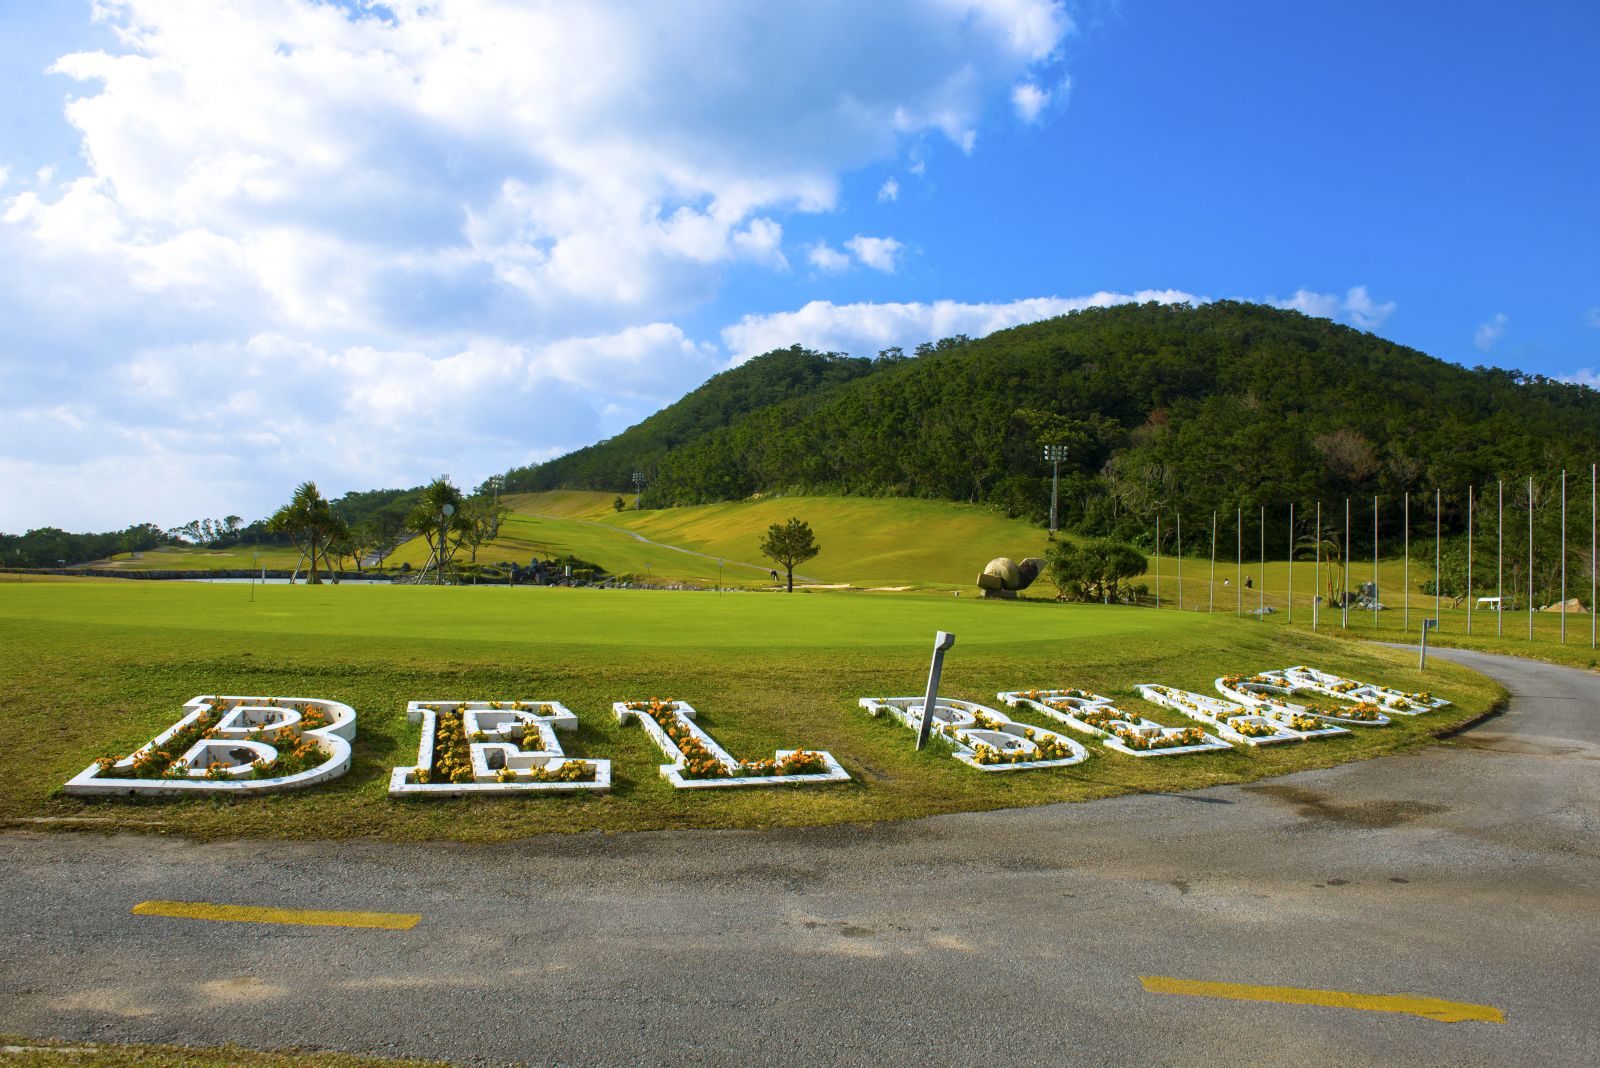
pixel 1221 406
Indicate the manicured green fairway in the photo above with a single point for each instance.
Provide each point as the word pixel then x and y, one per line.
pixel 99 667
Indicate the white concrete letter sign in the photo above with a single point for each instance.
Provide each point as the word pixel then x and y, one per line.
pixel 698 761
pixel 1269 694
pixel 231 745
pixel 1407 704
pixel 1125 732
pixel 983 738
pixel 494 747
pixel 1236 723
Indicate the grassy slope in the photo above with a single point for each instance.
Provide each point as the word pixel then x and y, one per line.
pixel 866 541
pixel 101 667
pixel 194 558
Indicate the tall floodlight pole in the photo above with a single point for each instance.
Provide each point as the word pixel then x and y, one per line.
pixel 1344 594
pixel 1374 563
pixel 1289 597
pixel 1316 572
pixel 1469 558
pixel 1261 591
pixel 1500 558
pixel 1054 455
pixel 1238 564
pixel 1563 556
pixel 1405 580
pixel 638 490
pixel 1211 594
pixel 1530 558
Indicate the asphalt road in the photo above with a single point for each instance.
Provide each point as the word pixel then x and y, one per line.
pixel 1468 871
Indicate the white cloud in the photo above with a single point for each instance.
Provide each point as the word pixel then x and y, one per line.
pixel 1029 100
pixel 410 210
pixel 865 329
pixel 889 190
pixel 824 257
pixel 1488 333
pixel 1594 317
pixel 1356 306
pixel 180 429
pixel 876 252
pixel 1584 376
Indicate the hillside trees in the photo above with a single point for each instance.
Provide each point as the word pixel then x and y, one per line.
pixel 1227 407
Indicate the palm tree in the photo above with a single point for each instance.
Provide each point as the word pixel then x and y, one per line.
pixel 443 532
pixel 309 522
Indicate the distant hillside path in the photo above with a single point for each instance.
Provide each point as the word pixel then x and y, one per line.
pixel 678 548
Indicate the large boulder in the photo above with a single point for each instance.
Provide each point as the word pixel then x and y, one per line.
pixel 1002 573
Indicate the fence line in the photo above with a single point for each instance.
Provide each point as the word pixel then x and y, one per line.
pixel 1556 579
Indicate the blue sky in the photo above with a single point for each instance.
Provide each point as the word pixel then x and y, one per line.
pixel 247 242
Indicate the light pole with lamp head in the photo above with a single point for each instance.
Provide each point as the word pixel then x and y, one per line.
pixel 1054 455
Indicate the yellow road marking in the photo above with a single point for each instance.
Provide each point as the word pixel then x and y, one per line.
pixel 201 910
pixel 1416 1005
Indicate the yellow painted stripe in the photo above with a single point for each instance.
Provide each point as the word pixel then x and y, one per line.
pixel 1416 1005
pixel 201 910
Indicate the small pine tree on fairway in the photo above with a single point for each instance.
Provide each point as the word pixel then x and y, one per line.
pixel 790 544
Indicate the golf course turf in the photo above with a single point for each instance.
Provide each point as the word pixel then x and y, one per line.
pixel 100 667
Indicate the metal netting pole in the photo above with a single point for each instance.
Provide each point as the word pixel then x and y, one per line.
pixel 1211 594
pixel 1406 580
pixel 1344 592
pixel 1530 558
pixel 1316 570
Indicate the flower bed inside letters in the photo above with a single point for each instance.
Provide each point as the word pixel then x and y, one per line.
pixel 700 763
pixel 295 752
pixel 1112 719
pixel 1046 745
pixel 452 752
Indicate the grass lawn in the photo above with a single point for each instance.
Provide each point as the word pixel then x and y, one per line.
pixel 95 668
pixel 47 1053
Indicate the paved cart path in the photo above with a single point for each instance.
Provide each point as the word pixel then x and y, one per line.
pixel 1468 872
